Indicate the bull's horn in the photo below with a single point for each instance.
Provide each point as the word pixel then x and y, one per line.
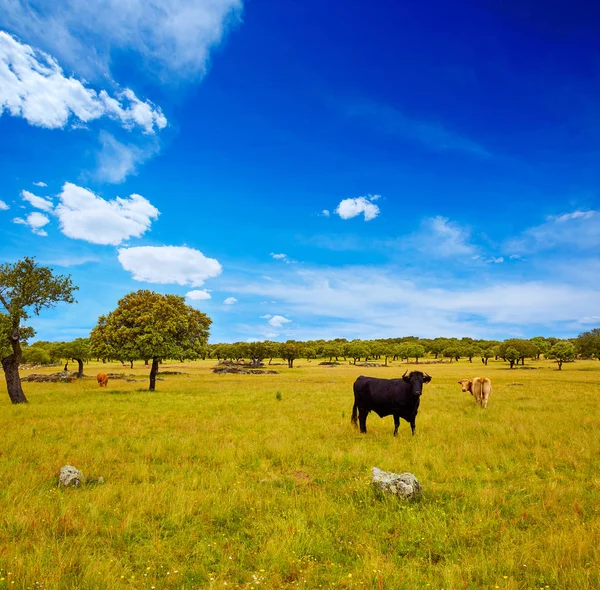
pixel 405 373
pixel 427 375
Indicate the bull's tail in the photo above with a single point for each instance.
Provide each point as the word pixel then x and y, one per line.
pixel 354 419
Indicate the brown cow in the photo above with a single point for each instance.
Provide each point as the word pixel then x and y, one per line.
pixel 479 387
pixel 102 379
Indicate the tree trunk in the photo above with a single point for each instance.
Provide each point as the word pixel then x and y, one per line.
pixel 512 364
pixel 153 373
pixel 559 365
pixel 470 359
pixel 145 362
pixel 10 364
pixel 66 367
pixel 291 363
pixel 131 364
pixel 80 369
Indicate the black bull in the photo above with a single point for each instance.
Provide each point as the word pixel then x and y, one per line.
pixel 398 397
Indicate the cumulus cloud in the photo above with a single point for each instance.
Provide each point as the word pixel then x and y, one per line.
pixel 4 206
pixel 117 160
pixel 578 230
pixel 42 203
pixel 42 184
pixel 85 216
pixel 278 321
pixel 35 221
pixel 178 265
pixel 349 208
pixel 230 301
pixel 34 87
pixel 173 37
pixel 325 213
pixel 198 295
pixel 267 316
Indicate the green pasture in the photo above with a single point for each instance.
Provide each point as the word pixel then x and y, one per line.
pixel 214 482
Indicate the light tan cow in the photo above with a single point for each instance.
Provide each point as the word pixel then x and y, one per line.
pixel 479 387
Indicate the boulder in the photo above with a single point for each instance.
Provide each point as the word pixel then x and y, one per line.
pixel 405 485
pixel 70 476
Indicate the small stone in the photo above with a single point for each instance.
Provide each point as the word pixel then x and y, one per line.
pixel 405 485
pixel 70 476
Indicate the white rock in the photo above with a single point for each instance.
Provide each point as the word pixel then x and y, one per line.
pixel 70 476
pixel 404 485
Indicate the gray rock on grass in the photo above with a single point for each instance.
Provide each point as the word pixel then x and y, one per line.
pixel 70 476
pixel 404 485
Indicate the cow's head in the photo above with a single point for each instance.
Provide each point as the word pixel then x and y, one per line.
pixel 466 385
pixel 416 379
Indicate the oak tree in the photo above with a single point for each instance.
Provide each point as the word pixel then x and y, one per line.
pixel 25 288
pixel 148 325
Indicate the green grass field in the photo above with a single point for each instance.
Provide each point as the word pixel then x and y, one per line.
pixel 212 482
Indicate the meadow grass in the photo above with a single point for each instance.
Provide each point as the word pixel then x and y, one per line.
pixel 216 481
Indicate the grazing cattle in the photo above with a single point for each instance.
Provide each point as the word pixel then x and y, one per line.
pixel 102 379
pixel 398 397
pixel 479 387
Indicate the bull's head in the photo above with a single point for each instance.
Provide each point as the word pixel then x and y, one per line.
pixel 416 379
pixel 466 385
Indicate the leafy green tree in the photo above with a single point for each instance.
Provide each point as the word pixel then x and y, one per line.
pixel 526 349
pixel 256 352
pixel 512 355
pixel 78 350
pixel 454 351
pixel 149 325
pixel 562 351
pixel 471 350
pixel 309 352
pixel 35 355
pixel 416 351
pixel 289 351
pixel 488 352
pixel 588 344
pixel 356 350
pixel 541 344
pixel 25 288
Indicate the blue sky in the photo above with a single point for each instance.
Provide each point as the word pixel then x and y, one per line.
pixel 306 169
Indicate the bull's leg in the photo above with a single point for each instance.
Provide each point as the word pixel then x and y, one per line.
pixel 413 426
pixel 362 419
pixel 396 424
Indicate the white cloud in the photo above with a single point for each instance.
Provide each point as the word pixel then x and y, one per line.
pixel 85 216
pixel 38 202
pixel 494 260
pixel 33 86
pixel 198 295
pixel 35 221
pixel 578 230
pixel 42 184
pixel 367 302
pixel 349 208
pixel 439 237
pixel 116 160
pixel 230 301
pixel 267 316
pixel 283 257
pixel 278 321
pixel 174 37
pixel 592 319
pixel 169 265
pixel 325 213
pixel 4 206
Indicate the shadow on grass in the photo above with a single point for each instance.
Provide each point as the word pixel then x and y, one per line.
pixel 117 391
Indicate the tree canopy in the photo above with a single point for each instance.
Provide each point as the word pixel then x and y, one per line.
pixel 148 325
pixel 25 288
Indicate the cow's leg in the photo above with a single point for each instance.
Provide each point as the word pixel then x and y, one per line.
pixel 362 419
pixel 413 426
pixel 396 424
